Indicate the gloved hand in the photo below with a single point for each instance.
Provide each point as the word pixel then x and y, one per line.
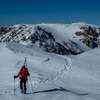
pixel 15 76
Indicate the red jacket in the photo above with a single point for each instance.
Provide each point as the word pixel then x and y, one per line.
pixel 23 72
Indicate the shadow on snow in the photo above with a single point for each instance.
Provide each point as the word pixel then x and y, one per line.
pixel 61 89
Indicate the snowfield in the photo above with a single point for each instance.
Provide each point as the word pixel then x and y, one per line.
pixel 53 76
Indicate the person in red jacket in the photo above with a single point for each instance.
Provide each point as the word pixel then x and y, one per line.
pixel 23 79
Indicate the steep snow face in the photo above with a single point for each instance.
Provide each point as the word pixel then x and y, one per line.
pixel 63 31
pixel 53 76
pixel 72 38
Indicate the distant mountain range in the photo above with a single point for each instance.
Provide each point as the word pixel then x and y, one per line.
pixel 74 38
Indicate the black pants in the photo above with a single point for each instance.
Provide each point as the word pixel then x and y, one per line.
pixel 23 84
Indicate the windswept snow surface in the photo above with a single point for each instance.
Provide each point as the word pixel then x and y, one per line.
pixel 54 77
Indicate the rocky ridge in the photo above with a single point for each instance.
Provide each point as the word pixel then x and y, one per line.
pixel 90 36
pixel 36 35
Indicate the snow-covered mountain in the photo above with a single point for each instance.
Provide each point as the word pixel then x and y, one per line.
pixel 72 38
pixel 53 76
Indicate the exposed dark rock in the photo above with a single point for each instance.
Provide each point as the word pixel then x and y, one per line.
pixel 90 36
pixel 46 41
pixel 79 33
pixel 72 47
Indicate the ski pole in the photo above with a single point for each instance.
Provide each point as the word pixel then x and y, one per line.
pixel 14 86
pixel 31 83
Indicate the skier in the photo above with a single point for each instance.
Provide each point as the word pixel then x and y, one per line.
pixel 23 73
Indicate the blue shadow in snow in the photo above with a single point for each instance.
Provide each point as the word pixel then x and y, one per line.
pixel 61 89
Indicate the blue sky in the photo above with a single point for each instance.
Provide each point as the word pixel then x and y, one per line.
pixel 49 11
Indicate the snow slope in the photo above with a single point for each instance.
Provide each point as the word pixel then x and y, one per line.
pixel 53 76
pixel 48 36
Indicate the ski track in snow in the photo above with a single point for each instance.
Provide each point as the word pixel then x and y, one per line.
pixel 53 78
pixel 61 73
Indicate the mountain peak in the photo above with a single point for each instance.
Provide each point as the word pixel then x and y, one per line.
pixel 73 38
